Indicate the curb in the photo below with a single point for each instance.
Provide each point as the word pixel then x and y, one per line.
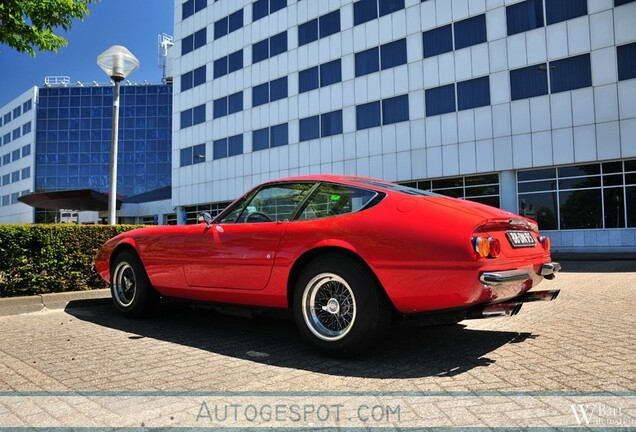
pixel 36 303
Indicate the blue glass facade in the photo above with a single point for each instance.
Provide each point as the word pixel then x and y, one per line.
pixel 74 135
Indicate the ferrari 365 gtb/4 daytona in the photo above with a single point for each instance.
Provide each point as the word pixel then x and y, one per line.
pixel 345 254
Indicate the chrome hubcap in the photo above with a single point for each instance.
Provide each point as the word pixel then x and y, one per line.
pixel 124 284
pixel 329 307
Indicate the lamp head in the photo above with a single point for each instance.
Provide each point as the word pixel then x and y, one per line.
pixel 117 62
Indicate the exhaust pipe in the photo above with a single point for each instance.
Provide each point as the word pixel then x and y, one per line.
pixel 547 295
pixel 495 310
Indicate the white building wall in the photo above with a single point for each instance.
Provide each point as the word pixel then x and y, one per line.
pixel 596 123
pixel 15 158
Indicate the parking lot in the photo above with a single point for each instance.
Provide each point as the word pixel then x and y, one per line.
pixel 566 363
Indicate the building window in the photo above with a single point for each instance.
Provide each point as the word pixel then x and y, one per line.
pixel 26 150
pixel 308 32
pixel 320 76
pixel 27 106
pixel 626 56
pixel 471 31
pixel 393 54
pixel 528 82
pixel 190 7
pixel 308 79
pixel 262 8
pixel 364 10
pixel 386 56
pixel 473 93
pixel 269 92
pixel 309 128
pixel 438 41
pixel 557 10
pixel 15 155
pixel 15 176
pixel 17 111
pixel 367 61
pixel 193 41
pixel 227 105
pixel 331 123
pixel 193 116
pixel 387 111
pixel 483 188
pixel 228 64
pixel 6 159
pixel 16 133
pixel 274 136
pixel 227 147
pixel 440 100
pixel 622 2
pixel 7 117
pixel 260 94
pixel 192 155
pixel 319 28
pixel 587 196
pixel 193 78
pixel 228 24
pixel 269 47
pixel 368 115
pixel 367 10
pixel 524 16
pixel 395 110
pixel 26 173
pixel 570 73
pixel 26 128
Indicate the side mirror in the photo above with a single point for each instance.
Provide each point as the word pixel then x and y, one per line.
pixel 205 217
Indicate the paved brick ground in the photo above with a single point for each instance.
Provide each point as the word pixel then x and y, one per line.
pixel 536 367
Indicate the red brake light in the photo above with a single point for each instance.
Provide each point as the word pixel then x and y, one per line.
pixel 495 247
pixel 546 243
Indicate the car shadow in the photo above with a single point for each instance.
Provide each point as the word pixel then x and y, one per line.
pixel 409 351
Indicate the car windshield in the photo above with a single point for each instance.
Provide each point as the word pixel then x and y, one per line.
pixel 270 203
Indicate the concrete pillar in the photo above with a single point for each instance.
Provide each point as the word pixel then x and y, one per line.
pixel 508 191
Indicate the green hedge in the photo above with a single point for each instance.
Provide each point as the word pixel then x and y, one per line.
pixel 37 259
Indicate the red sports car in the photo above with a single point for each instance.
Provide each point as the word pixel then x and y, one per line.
pixel 346 254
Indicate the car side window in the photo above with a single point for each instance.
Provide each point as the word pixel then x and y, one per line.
pixel 333 200
pixel 270 204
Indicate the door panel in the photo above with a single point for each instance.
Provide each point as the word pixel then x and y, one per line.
pixel 235 256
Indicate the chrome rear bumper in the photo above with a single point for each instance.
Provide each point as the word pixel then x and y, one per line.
pixel 549 269
pixel 497 278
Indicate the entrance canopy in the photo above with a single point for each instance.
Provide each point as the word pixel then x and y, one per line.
pixel 81 200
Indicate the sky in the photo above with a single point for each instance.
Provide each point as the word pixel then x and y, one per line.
pixel 134 24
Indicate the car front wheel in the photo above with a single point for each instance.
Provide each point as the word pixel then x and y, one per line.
pixel 339 306
pixel 132 293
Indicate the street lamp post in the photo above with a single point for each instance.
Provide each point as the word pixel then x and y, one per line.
pixel 118 63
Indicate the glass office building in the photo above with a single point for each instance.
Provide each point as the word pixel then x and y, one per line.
pixel 526 105
pixel 70 136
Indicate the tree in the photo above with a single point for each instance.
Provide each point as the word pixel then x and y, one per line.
pixel 29 25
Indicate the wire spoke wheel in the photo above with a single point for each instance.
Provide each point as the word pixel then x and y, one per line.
pixel 329 306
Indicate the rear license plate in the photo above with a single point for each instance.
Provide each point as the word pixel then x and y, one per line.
pixel 520 238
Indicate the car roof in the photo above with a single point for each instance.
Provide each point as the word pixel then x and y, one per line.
pixel 364 182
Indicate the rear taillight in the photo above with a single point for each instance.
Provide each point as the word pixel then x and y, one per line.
pixel 546 243
pixel 487 247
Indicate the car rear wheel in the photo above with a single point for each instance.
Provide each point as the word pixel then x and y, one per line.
pixel 339 306
pixel 130 287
